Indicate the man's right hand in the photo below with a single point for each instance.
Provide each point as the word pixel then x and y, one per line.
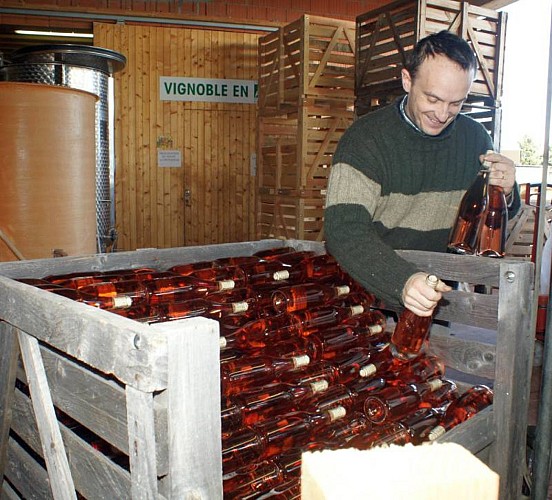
pixel 420 297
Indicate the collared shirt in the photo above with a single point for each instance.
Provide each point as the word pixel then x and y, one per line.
pixel 407 118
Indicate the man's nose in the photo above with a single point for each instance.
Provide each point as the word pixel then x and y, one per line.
pixel 442 112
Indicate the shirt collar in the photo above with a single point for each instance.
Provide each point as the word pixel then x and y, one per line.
pixel 406 117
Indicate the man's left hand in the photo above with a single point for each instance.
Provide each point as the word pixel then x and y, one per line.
pixel 503 171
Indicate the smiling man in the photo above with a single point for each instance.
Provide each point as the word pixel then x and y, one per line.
pixel 399 173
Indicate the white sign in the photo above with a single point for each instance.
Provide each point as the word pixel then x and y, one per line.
pixel 207 90
pixel 169 158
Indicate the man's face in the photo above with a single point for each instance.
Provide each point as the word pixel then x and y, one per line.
pixel 437 93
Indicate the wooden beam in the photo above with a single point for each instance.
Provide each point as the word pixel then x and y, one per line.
pixel 492 4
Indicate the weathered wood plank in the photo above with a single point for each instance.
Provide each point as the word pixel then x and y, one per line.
pixel 95 475
pixel 195 451
pixel 475 434
pixel 141 444
pixel 53 449
pixel 475 357
pixel 8 370
pixel 22 466
pixel 514 363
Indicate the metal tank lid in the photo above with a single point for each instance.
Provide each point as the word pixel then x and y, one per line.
pixel 89 56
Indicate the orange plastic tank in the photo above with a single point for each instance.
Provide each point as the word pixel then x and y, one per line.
pixel 47 171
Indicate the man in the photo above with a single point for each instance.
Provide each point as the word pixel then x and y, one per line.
pixel 399 173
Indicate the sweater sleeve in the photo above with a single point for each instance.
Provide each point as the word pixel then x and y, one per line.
pixel 352 237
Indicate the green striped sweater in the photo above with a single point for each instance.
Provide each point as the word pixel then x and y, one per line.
pixel 393 187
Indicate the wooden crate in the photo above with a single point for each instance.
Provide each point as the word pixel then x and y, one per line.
pixel 311 57
pixel 386 36
pixel 295 150
pixel 291 214
pixel 153 391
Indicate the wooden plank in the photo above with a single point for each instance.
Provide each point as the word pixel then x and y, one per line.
pixel 22 466
pixel 476 356
pixel 95 475
pixel 514 362
pixel 8 370
pixel 8 493
pixel 476 434
pixel 141 444
pixel 59 474
pixel 195 451
pixel 475 270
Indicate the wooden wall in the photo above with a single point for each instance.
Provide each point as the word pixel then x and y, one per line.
pixel 216 140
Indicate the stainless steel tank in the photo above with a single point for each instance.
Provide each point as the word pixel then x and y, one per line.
pixel 86 68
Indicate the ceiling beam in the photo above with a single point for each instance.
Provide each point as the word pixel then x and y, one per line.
pixel 492 4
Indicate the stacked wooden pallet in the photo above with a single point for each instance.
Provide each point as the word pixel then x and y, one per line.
pixel 386 36
pixel 306 96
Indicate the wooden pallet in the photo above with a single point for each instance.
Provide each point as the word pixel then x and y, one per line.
pixel 295 150
pixel 311 57
pixel 291 215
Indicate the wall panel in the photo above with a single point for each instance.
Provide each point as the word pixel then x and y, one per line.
pixel 216 140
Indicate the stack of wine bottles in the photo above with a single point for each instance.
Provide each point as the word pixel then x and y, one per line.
pixel 305 359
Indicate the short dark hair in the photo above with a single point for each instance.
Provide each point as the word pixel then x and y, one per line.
pixel 443 43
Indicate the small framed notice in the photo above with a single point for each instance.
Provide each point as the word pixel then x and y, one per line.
pixel 169 158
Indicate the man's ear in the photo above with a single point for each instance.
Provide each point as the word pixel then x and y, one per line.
pixel 406 80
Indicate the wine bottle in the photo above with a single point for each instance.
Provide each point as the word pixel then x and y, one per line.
pixel 441 397
pixel 392 433
pixel 350 396
pixel 72 294
pixel 465 232
pixel 472 401
pixel 220 283
pixel 411 330
pixel 314 372
pixel 115 295
pixel 372 322
pixel 266 272
pixel 394 402
pixel 421 422
pixel 57 278
pixel 492 235
pixel 251 481
pixel 274 253
pixel 244 373
pixel 271 437
pixel 270 478
pixel 261 332
pixel 258 404
pixel 294 258
pixel 199 307
pixel 420 369
pixel 326 316
pixel 190 267
pixel 354 364
pixel 298 297
pixel 344 430
pixel 233 274
pixel 173 288
pixel 295 429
